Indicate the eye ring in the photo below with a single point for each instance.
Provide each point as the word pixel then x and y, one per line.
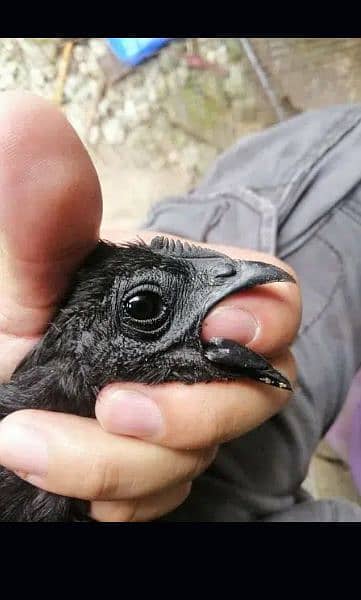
pixel 144 306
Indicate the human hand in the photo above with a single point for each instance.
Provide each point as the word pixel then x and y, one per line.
pixel 135 461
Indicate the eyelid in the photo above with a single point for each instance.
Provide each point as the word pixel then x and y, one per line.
pixel 141 288
pixel 137 329
pixel 151 326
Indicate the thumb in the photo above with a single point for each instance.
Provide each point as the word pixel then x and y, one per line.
pixel 50 211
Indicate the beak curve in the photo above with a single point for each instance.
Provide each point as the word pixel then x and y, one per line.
pixel 233 276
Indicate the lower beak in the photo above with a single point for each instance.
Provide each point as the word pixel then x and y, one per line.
pixel 240 361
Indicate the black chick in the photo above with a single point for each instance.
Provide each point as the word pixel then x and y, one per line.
pixel 133 313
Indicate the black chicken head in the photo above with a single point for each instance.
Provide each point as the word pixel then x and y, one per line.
pixel 135 312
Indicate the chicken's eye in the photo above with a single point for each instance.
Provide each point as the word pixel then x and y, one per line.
pixel 144 306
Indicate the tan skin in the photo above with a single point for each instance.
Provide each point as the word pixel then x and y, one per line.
pixel 50 215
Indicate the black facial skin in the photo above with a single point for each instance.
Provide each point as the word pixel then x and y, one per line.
pixel 133 313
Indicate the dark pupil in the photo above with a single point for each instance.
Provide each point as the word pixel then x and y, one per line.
pixel 144 306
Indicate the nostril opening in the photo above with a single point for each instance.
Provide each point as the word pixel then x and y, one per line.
pixel 224 270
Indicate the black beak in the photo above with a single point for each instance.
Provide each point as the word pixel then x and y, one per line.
pixel 258 273
pixel 241 361
pixel 228 277
pixel 221 276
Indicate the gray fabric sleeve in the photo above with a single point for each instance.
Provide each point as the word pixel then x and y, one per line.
pixel 336 510
pixel 292 190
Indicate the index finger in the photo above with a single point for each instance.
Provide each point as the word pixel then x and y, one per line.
pixel 195 416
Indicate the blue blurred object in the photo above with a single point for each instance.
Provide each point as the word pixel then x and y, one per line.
pixel 133 51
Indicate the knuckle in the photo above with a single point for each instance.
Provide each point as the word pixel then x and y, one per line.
pixel 142 509
pixel 114 511
pixel 173 500
pixel 159 506
pixel 202 459
pixel 128 513
pixel 103 481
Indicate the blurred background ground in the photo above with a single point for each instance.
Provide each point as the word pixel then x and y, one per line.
pixel 154 131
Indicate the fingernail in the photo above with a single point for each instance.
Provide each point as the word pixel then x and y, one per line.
pixel 23 448
pixel 231 322
pixel 130 413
